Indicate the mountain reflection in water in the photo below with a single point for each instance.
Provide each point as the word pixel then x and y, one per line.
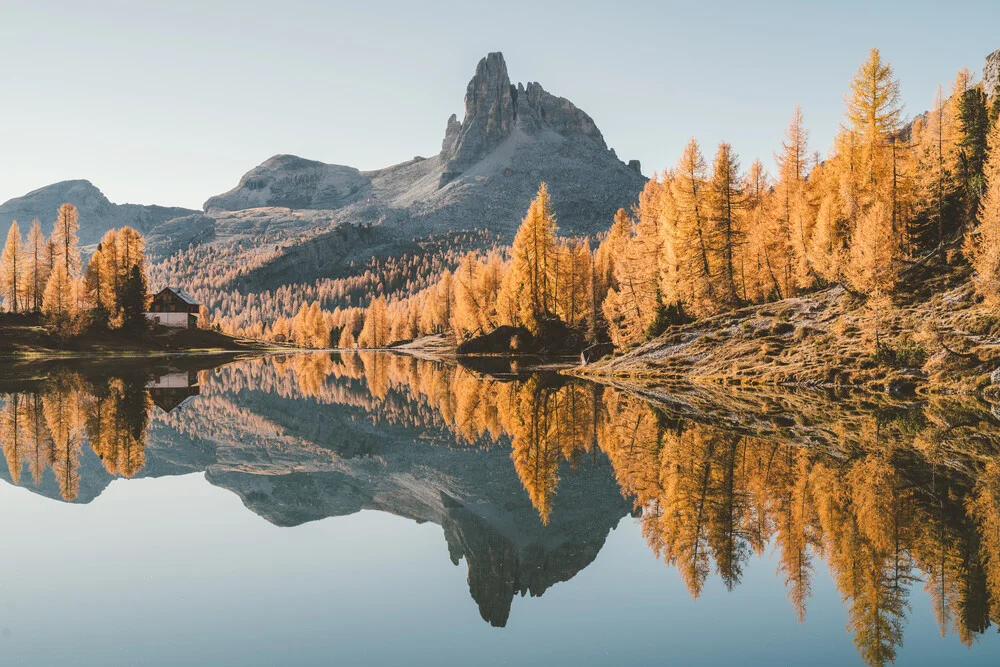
pixel 528 473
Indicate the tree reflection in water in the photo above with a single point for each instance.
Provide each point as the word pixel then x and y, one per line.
pixel 887 495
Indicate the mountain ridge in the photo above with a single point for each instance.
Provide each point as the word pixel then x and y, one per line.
pixel 97 212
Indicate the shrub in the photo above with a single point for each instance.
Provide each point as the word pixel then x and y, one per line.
pixel 666 316
pixel 782 328
pixel 905 354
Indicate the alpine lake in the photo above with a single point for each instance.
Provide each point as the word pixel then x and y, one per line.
pixel 379 509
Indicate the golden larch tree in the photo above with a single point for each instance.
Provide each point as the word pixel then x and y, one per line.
pixel 694 235
pixel 65 240
pixel 796 219
pixel 533 256
pixel 375 332
pixel 725 201
pixel 873 270
pixel 874 111
pixel 12 269
pixel 36 271
pixel 61 301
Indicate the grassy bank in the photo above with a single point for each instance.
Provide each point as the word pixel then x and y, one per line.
pixel 27 336
pixel 934 338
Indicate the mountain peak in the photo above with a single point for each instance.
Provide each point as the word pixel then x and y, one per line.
pixel 494 108
pixel 68 190
pixel 97 213
pixel 489 115
pixel 294 182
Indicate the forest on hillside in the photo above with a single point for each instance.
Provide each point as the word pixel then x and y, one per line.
pixel 708 236
pixel 48 277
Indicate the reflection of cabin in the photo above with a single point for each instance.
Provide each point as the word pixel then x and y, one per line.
pixel 174 389
pixel 173 307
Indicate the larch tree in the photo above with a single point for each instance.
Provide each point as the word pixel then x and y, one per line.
pixel 874 112
pixel 35 267
pixel 764 254
pixel 346 340
pixel 468 315
pixel 982 245
pixel 490 281
pixel 12 427
pixel 796 220
pixel 725 202
pixel 574 307
pixel 12 269
pixel 694 235
pixel 64 237
pixel 95 291
pixel 533 255
pixel 61 301
pixel 634 299
pixel 111 275
pixel 375 332
pixel 937 184
pixel 873 270
pixel 444 300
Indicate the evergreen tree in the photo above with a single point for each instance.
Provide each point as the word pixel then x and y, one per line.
pixel 973 130
pixel 134 297
pixel 982 245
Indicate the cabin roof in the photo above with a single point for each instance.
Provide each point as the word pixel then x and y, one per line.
pixel 182 295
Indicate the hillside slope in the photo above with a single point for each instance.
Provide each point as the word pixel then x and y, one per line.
pixel 937 339
pixel 97 213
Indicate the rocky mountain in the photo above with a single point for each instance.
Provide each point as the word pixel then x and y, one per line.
pixel 288 220
pixel 490 165
pixel 292 182
pixel 991 73
pixel 293 220
pixel 97 213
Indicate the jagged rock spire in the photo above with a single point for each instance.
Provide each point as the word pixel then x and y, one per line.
pixel 494 108
pixel 489 115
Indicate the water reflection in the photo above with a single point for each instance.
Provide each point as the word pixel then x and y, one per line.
pixel 528 473
pixel 45 428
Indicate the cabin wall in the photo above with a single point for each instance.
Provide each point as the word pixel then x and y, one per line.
pixel 179 320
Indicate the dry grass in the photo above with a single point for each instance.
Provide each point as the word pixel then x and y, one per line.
pixel 938 339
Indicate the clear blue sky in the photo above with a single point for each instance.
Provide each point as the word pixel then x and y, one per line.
pixel 172 104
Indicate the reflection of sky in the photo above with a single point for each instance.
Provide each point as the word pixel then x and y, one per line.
pixel 173 571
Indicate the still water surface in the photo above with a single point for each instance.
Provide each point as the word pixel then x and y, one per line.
pixel 380 510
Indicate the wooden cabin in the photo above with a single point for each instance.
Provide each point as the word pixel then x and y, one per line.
pixel 173 307
pixel 174 389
